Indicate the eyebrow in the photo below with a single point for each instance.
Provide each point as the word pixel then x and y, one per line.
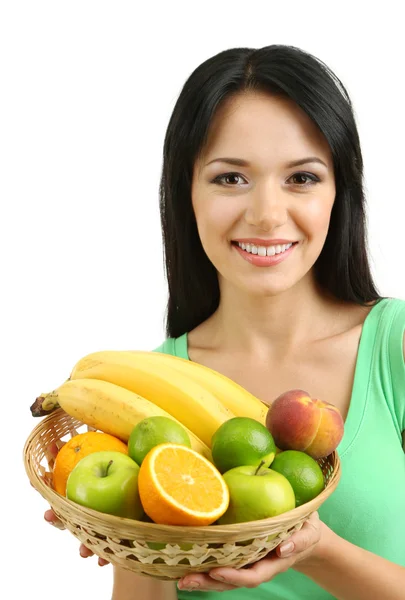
pixel 239 162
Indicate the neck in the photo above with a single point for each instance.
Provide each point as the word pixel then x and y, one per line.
pixel 259 325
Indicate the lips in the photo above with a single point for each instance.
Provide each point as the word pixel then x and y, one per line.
pixel 263 242
pixel 264 256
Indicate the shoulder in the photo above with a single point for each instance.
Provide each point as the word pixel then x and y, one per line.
pixel 174 346
pixel 393 317
pixel 391 313
pixel 166 347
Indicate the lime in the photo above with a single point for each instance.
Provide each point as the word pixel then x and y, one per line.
pixel 242 441
pixel 151 432
pixel 303 472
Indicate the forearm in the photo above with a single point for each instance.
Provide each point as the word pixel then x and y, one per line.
pixel 129 586
pixel 351 573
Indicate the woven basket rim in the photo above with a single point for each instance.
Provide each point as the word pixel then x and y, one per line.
pixel 132 526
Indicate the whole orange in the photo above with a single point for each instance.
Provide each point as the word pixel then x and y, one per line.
pixel 77 448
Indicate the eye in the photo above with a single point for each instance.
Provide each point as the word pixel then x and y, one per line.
pixel 230 179
pixel 233 179
pixel 301 175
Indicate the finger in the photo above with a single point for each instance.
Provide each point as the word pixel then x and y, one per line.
pixel 85 552
pixel 49 515
pixel 203 583
pixel 275 563
pixel 52 450
pixel 261 571
pixel 307 536
pixel 52 519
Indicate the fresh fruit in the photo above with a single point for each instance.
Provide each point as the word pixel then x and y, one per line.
pixel 299 422
pixel 256 493
pixel 77 448
pixel 189 402
pixel 106 406
pixel 178 486
pixel 106 482
pixel 153 431
pixel 242 441
pixel 303 472
pixel 232 395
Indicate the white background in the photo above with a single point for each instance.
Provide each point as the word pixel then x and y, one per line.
pixel 87 89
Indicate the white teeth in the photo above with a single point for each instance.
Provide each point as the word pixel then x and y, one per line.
pixel 265 250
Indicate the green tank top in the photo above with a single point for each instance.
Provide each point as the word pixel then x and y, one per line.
pixel 368 506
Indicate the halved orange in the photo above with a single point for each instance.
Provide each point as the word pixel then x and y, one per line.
pixel 179 486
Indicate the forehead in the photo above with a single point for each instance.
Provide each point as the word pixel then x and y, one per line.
pixel 261 124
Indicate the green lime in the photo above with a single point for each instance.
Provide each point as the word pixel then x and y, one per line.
pixel 303 472
pixel 242 441
pixel 151 432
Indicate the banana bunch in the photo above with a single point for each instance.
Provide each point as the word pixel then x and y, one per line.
pixel 107 407
pixel 114 390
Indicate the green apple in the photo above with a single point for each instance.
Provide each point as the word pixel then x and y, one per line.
pixel 106 481
pixel 256 493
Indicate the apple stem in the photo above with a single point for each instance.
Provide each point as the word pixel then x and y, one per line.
pixel 259 467
pixel 108 466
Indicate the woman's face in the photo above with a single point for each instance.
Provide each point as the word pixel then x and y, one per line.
pixel 263 221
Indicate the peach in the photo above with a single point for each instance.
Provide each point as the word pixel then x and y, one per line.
pixel 298 422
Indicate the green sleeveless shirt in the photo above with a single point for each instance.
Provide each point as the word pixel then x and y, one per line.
pixel 368 506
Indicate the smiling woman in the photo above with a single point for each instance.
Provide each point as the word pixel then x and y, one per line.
pixel 263 223
pixel 244 123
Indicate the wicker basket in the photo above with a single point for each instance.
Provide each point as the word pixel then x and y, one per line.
pixel 160 551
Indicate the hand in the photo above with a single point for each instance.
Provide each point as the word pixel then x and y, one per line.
pixel 297 548
pixel 52 519
pixel 85 552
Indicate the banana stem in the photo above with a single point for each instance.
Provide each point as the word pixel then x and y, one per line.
pixel 44 405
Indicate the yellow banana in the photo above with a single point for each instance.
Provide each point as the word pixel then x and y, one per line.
pixel 109 408
pixel 175 392
pixel 232 395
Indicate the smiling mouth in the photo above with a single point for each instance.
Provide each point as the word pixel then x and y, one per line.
pixel 264 250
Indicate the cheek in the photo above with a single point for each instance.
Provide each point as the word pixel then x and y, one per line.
pixel 313 218
pixel 215 218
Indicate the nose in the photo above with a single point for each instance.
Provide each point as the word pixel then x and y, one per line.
pixel 267 208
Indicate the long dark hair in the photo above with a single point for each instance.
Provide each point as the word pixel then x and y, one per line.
pixel 342 267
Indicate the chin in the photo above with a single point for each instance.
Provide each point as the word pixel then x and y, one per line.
pixel 264 289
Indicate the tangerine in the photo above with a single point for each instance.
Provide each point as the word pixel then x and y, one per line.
pixel 77 448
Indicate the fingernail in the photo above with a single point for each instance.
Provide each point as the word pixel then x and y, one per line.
pixel 217 577
pixel 286 549
pixel 56 524
pixel 190 585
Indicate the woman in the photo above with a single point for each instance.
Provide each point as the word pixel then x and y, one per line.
pixel 263 220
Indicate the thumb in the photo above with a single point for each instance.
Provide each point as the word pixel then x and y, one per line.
pixel 307 536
